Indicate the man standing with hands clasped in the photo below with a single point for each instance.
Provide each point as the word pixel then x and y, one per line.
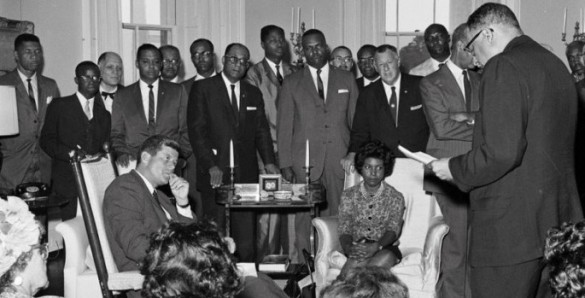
pixel 520 171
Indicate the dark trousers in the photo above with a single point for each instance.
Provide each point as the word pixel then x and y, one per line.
pixel 514 281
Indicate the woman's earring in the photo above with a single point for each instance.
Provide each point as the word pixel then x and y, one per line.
pixel 17 281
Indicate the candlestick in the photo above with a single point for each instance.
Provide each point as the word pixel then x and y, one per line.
pixel 313 19
pixel 581 17
pixel 582 22
pixel 565 22
pixel 231 154
pixel 292 18
pixel 307 163
pixel 299 18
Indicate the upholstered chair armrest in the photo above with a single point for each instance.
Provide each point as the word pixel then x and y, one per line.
pixel 432 251
pixel 75 237
pixel 328 241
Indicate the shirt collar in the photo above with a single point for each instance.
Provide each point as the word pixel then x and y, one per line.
pixel 148 184
pixel 456 70
pixel 81 97
pixel 201 77
pixel 324 69
pixel 23 77
pixel 396 83
pixel 104 90
pixel 437 62
pixel 227 82
pixel 145 85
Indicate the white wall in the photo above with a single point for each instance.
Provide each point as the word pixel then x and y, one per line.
pixel 58 24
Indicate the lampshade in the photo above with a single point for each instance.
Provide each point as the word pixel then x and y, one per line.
pixel 8 111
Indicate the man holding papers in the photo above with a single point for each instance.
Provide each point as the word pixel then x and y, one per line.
pixel 520 171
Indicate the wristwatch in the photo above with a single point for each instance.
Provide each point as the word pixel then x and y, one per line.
pixel 184 206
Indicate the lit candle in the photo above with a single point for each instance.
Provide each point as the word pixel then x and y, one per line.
pixel 307 154
pixel 582 21
pixel 565 22
pixel 313 19
pixel 299 18
pixel 292 19
pixel 581 17
pixel 231 154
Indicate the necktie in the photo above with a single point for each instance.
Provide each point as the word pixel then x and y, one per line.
pixel 393 105
pixel 106 94
pixel 87 110
pixel 467 87
pixel 155 196
pixel 31 95
pixel 278 75
pixel 235 101
pixel 441 65
pixel 151 122
pixel 320 84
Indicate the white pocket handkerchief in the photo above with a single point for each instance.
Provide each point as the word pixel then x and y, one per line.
pixel 250 108
pixel 414 108
pixel 49 99
pixel 214 151
pixel 342 91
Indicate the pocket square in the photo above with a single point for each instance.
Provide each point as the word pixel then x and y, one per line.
pixel 342 91
pixel 250 108
pixel 214 151
pixel 49 99
pixel 414 108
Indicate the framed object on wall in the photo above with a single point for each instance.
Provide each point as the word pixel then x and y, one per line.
pixel 9 30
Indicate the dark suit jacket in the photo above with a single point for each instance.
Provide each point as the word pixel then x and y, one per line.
pixel 188 83
pixel 212 124
pixel 521 169
pixel 65 128
pixel 360 83
pixel 130 126
pixel 131 215
pixel 373 119
pixel 17 149
pixel 303 115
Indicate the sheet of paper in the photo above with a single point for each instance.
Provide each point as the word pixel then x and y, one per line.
pixel 418 156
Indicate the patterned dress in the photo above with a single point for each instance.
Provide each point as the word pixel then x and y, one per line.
pixel 362 215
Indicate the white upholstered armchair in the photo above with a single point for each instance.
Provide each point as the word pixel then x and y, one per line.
pixel 420 242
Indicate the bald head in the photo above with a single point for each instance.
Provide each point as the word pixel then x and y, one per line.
pixel 112 70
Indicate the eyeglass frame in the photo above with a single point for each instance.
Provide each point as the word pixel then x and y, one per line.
pixel 171 61
pixel 344 60
pixel 90 78
pixel 366 60
pixel 467 47
pixel 234 60
pixel 202 55
pixel 43 250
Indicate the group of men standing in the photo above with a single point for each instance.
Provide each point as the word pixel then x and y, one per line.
pixel 505 172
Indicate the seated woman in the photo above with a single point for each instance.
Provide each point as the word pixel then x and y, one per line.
pixel 192 260
pixel 366 282
pixel 370 213
pixel 23 260
pixel 564 253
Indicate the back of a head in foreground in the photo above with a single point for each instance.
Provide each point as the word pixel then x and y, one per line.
pixel 366 282
pixel 189 261
pixel 565 255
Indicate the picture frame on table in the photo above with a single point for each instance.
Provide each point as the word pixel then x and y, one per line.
pixel 269 183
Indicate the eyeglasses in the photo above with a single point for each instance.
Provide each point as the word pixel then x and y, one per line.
pixel 369 60
pixel 171 61
pixel 467 47
pixel 346 60
pixel 234 60
pixel 204 55
pixel 387 64
pixel 90 78
pixel 43 250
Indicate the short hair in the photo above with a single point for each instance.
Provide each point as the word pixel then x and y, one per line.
pixel 314 32
pixel 367 282
pixel 147 47
pixel 343 48
pixel 266 30
pixel 366 47
pixel 564 253
pixel 25 37
pixel 492 13
pixel 386 47
pixel 575 44
pixel 104 55
pixel 169 47
pixel 234 44
pixel 199 40
pixel 154 144
pixel 374 149
pixel 189 260
pixel 435 28
pixel 459 34
pixel 83 66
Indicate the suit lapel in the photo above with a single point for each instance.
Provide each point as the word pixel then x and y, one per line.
pixel 137 103
pixel 269 74
pixel 309 85
pixel 160 106
pixel 243 103
pixel 381 99
pixel 404 100
pixel 451 87
pixel 225 97
pixel 150 199
pixel 22 93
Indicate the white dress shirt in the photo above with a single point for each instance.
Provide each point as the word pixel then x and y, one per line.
pixel 388 90
pixel 458 74
pixel 229 89
pixel 109 101
pixel 200 77
pixel 83 101
pixel 144 90
pixel 367 81
pixel 324 77
pixel 34 83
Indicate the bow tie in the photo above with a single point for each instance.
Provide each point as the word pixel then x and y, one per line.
pixel 106 94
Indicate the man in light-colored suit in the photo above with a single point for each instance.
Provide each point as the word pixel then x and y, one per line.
pixel 268 75
pixel 21 157
pixel 437 41
pixel 450 101
pixel 148 107
pixel 316 104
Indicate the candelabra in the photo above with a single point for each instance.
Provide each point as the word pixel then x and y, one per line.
pixel 296 41
pixel 577 36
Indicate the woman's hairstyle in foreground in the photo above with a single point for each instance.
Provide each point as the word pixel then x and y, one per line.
pixel 565 254
pixel 374 149
pixel 366 282
pixel 189 260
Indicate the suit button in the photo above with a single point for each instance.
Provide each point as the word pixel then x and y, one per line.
pixel 35 121
pixel 369 217
pixel 371 206
pixel 326 126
